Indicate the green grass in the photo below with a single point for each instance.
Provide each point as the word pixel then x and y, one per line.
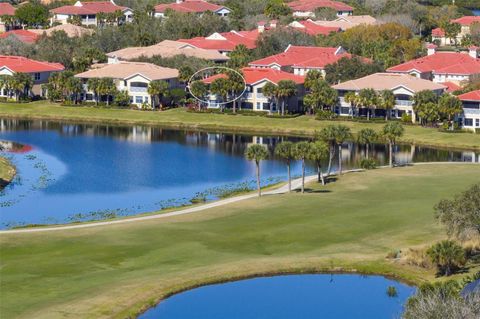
pixel 115 271
pixel 180 118
pixel 7 172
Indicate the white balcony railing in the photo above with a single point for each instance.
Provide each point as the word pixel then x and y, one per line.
pixel 403 103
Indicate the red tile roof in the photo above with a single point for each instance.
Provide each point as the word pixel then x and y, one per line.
pixel 470 96
pixel 467 20
pixel 254 75
pixel 93 7
pixel 451 87
pixel 226 41
pixel 311 5
pixel 25 65
pixel 441 63
pixel 438 32
pixel 23 35
pixel 196 6
pixel 307 57
pixel 312 28
pixel 6 9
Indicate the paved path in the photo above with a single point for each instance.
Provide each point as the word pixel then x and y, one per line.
pixel 296 184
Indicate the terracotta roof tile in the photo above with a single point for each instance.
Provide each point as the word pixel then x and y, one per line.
pixel 196 6
pixel 6 9
pixel 470 96
pixel 440 63
pixel 226 41
pixel 25 65
pixel 307 57
pixel 25 36
pixel 254 75
pixel 93 7
pixel 311 5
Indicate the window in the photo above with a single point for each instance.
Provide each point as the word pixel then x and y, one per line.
pixel 138 99
pixel 37 76
pixel 131 99
pixel 89 97
pixel 477 122
pixel 146 99
pixel 468 122
pixel 345 110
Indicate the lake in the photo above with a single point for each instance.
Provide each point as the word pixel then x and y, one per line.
pixel 80 172
pixel 293 296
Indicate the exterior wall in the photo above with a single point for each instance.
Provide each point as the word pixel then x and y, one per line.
pixel 39 78
pixel 223 12
pixel 254 99
pixel 457 79
pixel 304 71
pixel 137 88
pixel 470 119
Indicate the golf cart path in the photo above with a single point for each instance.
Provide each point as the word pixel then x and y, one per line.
pixel 296 184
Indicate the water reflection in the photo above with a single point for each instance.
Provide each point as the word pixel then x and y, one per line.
pixel 76 172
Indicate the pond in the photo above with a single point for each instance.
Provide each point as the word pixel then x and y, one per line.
pixel 294 296
pixel 79 172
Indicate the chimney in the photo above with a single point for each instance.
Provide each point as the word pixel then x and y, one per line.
pixel 431 49
pixel 473 51
pixel 261 26
pixel 178 1
pixel 273 24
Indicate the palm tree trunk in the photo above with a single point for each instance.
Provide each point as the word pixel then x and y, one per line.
pixel 367 146
pixel 368 114
pixel 340 158
pixel 303 176
pixel 320 174
pixel 390 146
pixel 330 159
pixel 258 180
pixel 289 178
pixel 234 107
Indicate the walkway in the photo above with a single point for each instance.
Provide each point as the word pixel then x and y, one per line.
pixel 296 184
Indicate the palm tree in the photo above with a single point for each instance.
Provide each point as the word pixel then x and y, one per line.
pixel 386 101
pixel 312 77
pixel 342 134
pixel 74 87
pixel 449 106
pixel 285 150
pixel 199 90
pixel 318 152
pixel 270 91
pixel 423 102
pixel 236 86
pixel 327 134
pixel 257 153
pixel 301 151
pixel 221 87
pixel 352 98
pixel 156 89
pixel 106 87
pixel 447 255
pixel 286 89
pixel 392 131
pixel 367 136
pixel 6 83
pixel 367 98
pixel 21 83
pixel 93 86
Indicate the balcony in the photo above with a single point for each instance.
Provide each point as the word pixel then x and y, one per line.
pixel 138 89
pixel 403 103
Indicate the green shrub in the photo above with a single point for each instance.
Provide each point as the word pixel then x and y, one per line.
pixel 368 163
pixel 325 115
pixel 406 118
pixel 447 255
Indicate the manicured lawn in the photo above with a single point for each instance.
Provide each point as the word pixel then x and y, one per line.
pixel 179 118
pixel 114 271
pixel 7 172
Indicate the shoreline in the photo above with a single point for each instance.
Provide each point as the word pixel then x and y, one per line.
pixel 255 128
pixel 10 172
pixel 275 273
